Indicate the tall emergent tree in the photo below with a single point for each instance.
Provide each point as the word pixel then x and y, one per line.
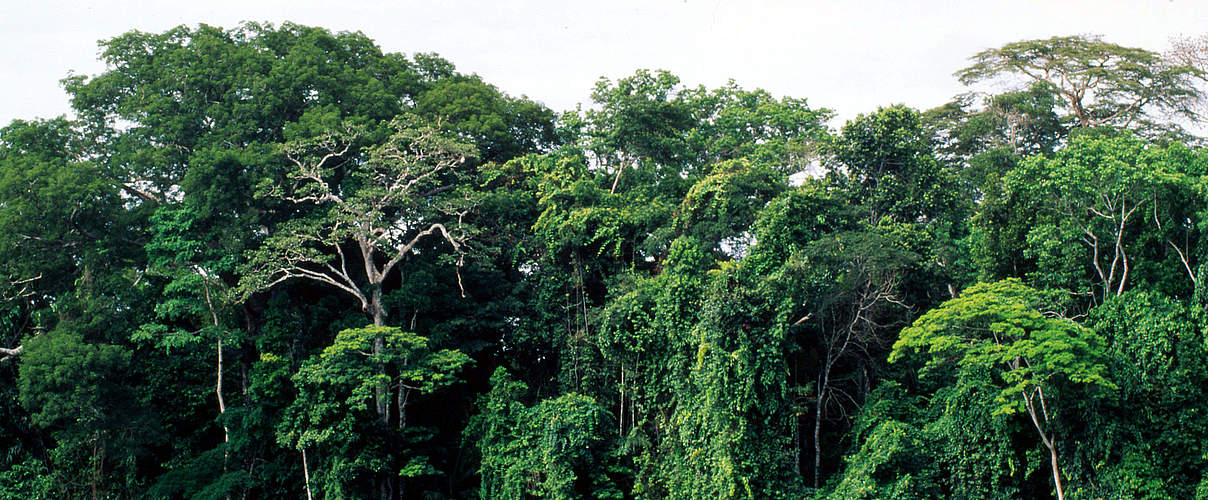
pixel 373 209
pixel 1100 83
pixel 1039 361
pixel 381 205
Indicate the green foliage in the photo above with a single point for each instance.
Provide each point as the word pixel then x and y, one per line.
pixel 60 214
pixel 1018 123
pixel 334 411
pixel 942 444
pixel 503 127
pixel 998 325
pixel 72 389
pixel 722 206
pixel 553 449
pixel 643 116
pixel 1100 83
pixel 1120 199
pixel 728 439
pixel 28 479
pixel 649 117
pixel 1138 444
pixel 1039 364
pixel 893 449
pixel 885 161
pixel 781 134
pixel 675 292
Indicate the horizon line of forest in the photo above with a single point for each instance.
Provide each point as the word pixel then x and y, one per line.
pixel 277 262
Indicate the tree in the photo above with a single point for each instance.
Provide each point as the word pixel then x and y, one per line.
pixel 1020 122
pixel 642 118
pixel 912 440
pixel 783 134
pixel 1100 83
pixel 1117 197
pixel 72 388
pixel 894 449
pixel 886 164
pixel 380 206
pixel 196 298
pixel 646 336
pixel 167 96
pixel 1038 360
pixel 855 281
pixel 69 253
pixel 59 218
pixel 649 120
pixel 333 414
pixel 555 448
pixel 721 207
pixel 501 126
pixel 1136 443
pixel 383 205
pixel 729 383
pixel 1191 51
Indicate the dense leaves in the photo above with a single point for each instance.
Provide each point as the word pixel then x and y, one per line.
pixel 277 262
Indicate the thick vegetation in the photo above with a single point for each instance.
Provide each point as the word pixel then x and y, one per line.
pixel 276 262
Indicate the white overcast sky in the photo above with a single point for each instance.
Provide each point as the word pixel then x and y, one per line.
pixel 847 55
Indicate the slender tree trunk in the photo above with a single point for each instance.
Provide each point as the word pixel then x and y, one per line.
pixel 97 458
pixel 633 401
pixel 1048 441
pixel 306 475
pixel 402 404
pixel 823 385
pixel 403 395
pixel 1056 472
pixel 621 411
pixel 817 443
pixel 616 180
pixel 796 422
pixel 795 419
pixel 387 488
pixel 226 432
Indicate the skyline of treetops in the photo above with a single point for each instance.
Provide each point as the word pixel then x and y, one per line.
pixel 274 261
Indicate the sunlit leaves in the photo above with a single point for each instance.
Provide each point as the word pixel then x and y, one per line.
pixel 998 324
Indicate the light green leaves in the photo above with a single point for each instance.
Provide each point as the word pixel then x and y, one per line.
pixel 999 325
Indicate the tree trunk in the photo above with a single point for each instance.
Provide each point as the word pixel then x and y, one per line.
pixel 1048 441
pixel 796 422
pixel 1056 472
pixel 95 476
pixel 817 443
pixel 226 432
pixel 621 410
pixel 306 475
pixel 378 311
pixel 381 393
pixel 823 385
pixel 617 180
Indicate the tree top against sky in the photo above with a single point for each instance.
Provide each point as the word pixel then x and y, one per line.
pixel 846 56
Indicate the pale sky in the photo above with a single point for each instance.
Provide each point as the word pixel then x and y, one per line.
pixel 847 55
